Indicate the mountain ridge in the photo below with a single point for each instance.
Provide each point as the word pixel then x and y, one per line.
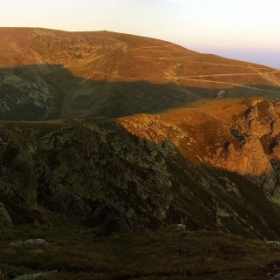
pixel 99 71
pixel 144 172
pixel 134 134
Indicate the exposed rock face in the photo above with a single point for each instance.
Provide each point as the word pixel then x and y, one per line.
pixel 245 141
pixel 237 136
pixel 90 169
pixel 256 152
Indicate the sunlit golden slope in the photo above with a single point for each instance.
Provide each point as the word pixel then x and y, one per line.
pixel 56 74
pixel 238 135
pixel 121 57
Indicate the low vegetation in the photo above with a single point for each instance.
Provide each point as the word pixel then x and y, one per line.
pixel 84 253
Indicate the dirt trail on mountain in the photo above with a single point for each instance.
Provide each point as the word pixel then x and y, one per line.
pixel 226 83
pixel 267 76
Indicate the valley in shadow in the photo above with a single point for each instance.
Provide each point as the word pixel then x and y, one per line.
pixel 46 92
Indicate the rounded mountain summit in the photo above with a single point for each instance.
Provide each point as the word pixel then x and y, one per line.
pixel 49 74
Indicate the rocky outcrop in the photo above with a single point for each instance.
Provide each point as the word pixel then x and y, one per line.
pixel 91 169
pixel 242 141
pixel 247 143
pixel 256 153
pixel 192 166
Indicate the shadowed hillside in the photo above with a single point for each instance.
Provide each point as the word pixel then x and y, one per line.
pixel 43 92
pixel 39 92
pixel 202 165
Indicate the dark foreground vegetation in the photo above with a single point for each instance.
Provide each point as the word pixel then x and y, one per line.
pixel 169 254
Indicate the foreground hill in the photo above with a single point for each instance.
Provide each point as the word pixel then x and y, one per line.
pixel 47 74
pixel 80 253
pixel 210 165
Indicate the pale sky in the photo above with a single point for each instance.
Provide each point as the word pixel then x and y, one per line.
pixel 242 29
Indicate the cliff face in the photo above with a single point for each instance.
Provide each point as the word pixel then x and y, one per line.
pixel 202 166
pixel 256 152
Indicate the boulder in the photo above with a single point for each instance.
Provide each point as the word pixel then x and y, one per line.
pixel 222 94
pixel 31 243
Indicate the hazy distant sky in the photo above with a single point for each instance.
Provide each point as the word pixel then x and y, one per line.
pixel 243 29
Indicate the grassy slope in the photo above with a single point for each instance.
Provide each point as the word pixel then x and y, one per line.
pixel 113 74
pixel 81 253
pixel 113 56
